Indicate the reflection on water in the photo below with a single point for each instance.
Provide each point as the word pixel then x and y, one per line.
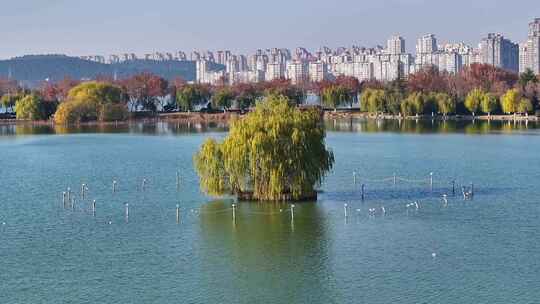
pixel 339 125
pixel 264 239
pixel 429 126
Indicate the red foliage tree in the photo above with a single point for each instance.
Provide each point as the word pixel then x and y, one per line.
pixel 428 80
pixel 145 90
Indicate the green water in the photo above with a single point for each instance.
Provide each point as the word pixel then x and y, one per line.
pixel 484 250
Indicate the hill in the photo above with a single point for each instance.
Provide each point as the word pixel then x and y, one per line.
pixel 33 69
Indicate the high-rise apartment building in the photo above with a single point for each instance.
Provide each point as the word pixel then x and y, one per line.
pixel 297 72
pixel 395 45
pixel 426 44
pixel 500 52
pixel 529 56
pixel 318 71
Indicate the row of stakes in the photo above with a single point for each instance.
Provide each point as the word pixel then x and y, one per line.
pixel 372 211
pixel 67 197
pixel 467 194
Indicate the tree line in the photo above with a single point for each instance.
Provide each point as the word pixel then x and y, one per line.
pixel 476 89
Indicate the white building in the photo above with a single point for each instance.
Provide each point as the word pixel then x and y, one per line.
pixel 500 52
pixel 395 45
pixel 297 71
pixel 529 56
pixel 318 71
pixel 275 70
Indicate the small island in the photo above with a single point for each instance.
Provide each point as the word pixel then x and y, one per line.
pixel 277 152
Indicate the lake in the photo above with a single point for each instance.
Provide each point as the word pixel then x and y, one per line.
pixel 479 250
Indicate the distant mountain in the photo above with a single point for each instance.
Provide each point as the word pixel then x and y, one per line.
pixel 34 69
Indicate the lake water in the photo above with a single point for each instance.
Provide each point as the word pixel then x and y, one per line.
pixel 484 250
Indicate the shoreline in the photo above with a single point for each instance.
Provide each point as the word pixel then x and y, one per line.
pixel 197 117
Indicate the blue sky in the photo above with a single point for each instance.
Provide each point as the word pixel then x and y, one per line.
pixel 115 26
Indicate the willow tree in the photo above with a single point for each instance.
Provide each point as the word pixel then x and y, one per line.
pixel 277 152
pixel 474 99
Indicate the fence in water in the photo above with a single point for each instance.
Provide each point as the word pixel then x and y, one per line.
pixel 364 202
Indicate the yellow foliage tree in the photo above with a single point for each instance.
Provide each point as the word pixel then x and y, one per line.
pixel 275 153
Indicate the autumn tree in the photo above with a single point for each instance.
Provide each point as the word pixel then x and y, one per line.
pixel 489 103
pixel 510 101
pixel 373 101
pixel 445 103
pixel 223 98
pixel 334 96
pixel 192 95
pixel 146 91
pixel 91 101
pixel 276 152
pixel 247 95
pixel 524 106
pixel 31 107
pixel 294 93
pixel 474 99
pixel 427 80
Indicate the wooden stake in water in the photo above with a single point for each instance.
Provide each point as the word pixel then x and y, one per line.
pixel 64 199
pixel 292 213
pixel 363 190
pixel 114 186
pixel 453 188
pixel 143 186
pixel 395 178
pixel 354 177
pixel 127 212
pixel 345 209
pixel 72 203
pixel 177 213
pixel 83 187
pixel 69 195
pixel 234 212
pixel 431 180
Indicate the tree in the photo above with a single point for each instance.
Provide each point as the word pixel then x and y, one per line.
pixel 334 96
pixel 488 104
pixel 394 93
pixel 223 98
pixel 373 101
pixel 192 95
pixel 91 101
pixel 145 91
pixel 524 106
pixel 445 103
pixel 275 153
pixel 294 93
pixel 427 80
pixel 101 92
pixel 510 101
pixel 8 101
pixel 30 107
pixel 247 95
pixel 473 100
pixel 351 85
pixel 487 77
pixel 527 77
pixel 418 101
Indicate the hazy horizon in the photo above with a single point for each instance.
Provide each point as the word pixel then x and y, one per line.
pixel 105 27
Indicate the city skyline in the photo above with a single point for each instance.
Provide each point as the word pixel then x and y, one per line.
pixel 105 28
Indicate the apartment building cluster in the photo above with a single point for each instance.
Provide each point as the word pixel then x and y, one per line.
pixel 529 51
pixel 383 63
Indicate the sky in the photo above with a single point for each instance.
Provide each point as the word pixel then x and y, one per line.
pixel 103 27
